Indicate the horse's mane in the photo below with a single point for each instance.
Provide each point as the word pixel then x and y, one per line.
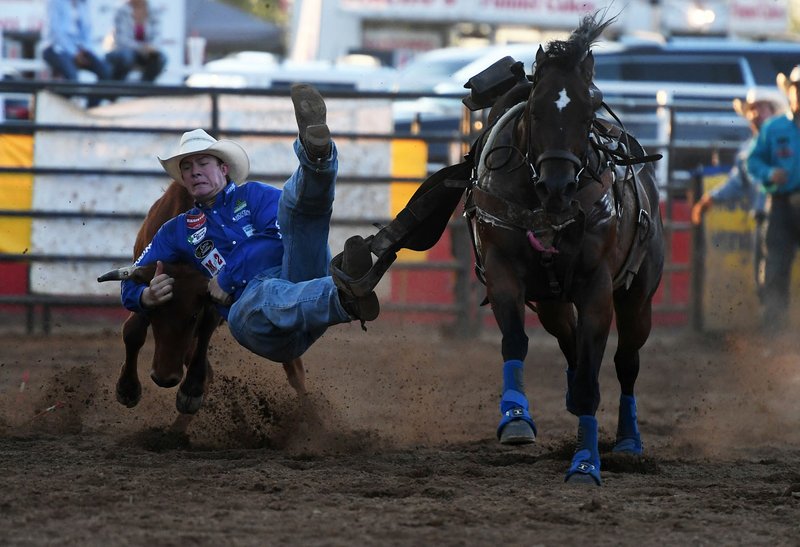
pixel 573 50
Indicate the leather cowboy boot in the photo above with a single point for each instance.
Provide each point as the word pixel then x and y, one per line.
pixel 311 113
pixel 356 263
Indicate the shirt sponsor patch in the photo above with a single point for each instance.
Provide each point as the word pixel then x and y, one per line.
pixel 241 214
pixel 195 220
pixel 136 263
pixel 204 249
pixel 197 237
pixel 248 230
pixel 209 256
pixel 240 204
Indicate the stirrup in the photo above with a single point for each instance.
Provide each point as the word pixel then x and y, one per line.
pixel 364 285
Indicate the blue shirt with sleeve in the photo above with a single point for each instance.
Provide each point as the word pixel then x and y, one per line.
pixel 777 146
pixel 235 239
pixel 739 187
pixel 69 28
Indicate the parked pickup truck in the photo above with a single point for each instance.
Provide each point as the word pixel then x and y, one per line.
pixel 697 80
pixel 680 90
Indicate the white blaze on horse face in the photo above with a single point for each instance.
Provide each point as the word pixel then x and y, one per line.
pixel 563 100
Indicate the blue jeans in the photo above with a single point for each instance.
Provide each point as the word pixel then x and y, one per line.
pixel 63 64
pixel 282 312
pixel 123 60
pixel 783 238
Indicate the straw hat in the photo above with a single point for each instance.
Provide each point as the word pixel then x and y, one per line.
pixel 200 142
pixel 785 82
pixel 758 95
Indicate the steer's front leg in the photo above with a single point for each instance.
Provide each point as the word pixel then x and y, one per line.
pixel 134 334
pixel 198 373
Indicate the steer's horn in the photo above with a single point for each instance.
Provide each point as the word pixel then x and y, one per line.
pixel 119 274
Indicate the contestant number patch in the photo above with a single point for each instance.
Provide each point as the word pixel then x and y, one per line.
pixel 210 257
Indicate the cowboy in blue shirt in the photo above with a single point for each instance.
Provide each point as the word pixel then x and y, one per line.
pixel 775 162
pixel 69 39
pixel 739 188
pixel 264 250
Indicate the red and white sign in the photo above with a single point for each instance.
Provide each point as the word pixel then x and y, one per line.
pixel 542 13
pixel 757 17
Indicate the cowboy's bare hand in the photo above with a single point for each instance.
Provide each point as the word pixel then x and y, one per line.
pixel 160 289
pixel 218 295
pixel 700 208
pixel 778 176
pixel 82 59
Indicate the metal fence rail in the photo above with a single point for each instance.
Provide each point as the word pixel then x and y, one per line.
pixel 461 310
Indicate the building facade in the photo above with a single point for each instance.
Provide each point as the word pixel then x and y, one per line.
pixel 398 29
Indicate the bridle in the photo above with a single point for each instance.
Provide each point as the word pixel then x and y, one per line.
pixel 534 165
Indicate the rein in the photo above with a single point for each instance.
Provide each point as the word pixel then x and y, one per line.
pixel 622 158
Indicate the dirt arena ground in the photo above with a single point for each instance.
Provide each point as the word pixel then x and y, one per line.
pixel 395 446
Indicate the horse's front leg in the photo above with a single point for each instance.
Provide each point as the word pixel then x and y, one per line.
pixel 595 313
pixel 634 321
pixel 506 294
pixel 134 334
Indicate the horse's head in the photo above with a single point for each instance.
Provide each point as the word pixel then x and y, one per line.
pixel 559 114
pixel 558 118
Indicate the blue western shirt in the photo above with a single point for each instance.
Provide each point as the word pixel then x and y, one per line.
pixel 777 146
pixel 739 187
pixel 68 28
pixel 235 239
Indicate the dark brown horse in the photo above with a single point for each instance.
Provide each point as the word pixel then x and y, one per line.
pixel 566 220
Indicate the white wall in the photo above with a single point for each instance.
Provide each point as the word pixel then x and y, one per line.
pixel 134 151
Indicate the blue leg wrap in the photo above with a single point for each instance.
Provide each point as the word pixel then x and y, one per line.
pixel 586 461
pixel 628 438
pixel 570 405
pixel 514 404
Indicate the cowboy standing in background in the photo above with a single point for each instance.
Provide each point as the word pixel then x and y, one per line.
pixel 739 187
pixel 774 161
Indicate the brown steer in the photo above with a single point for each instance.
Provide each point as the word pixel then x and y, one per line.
pixel 182 327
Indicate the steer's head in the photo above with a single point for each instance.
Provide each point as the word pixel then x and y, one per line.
pixel 178 323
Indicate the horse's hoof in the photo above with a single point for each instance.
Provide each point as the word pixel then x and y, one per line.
pixel 517 432
pixel 580 478
pixel 186 404
pixel 129 395
pixel 628 445
pixel 583 472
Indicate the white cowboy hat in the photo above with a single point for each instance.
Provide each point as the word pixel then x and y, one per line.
pixel 785 82
pixel 200 142
pixel 758 95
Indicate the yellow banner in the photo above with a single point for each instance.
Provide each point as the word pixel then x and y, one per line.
pixel 409 160
pixel 729 292
pixel 16 192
